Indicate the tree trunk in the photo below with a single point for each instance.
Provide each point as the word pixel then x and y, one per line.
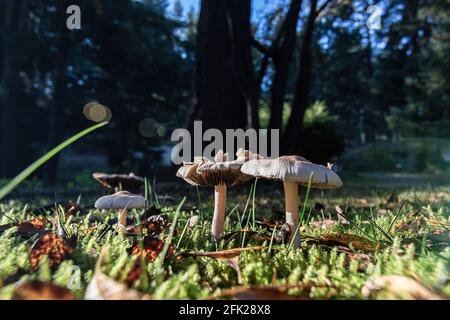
pixel 11 148
pixel 282 58
pixel 291 137
pixel 226 86
pixel 56 116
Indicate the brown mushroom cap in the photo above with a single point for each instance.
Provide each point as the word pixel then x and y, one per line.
pixel 207 173
pixel 127 181
pixel 120 200
pixel 293 169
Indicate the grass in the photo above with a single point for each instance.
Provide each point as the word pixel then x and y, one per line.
pixel 39 162
pixel 412 233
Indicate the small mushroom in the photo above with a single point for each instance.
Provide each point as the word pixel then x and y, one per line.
pixel 220 174
pixel 128 182
pixel 121 200
pixel 293 171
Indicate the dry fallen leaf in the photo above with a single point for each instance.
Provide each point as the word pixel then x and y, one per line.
pixel 396 287
pixel 153 226
pixel 28 228
pixel 55 247
pixel 41 290
pixel 151 247
pixel 102 287
pixel 231 257
pixel 230 253
pixel 192 221
pixel 324 224
pixel 266 293
pixel 341 215
pixel 344 239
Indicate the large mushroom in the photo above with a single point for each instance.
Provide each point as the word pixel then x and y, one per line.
pixel 220 174
pixel 293 171
pixel 122 200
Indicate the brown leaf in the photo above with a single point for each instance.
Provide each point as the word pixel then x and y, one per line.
pixel 324 224
pixel 230 253
pixel 135 273
pixel 32 226
pixel 102 287
pixel 341 215
pixel 153 226
pixel 27 228
pixel 231 257
pixel 234 263
pixel 55 247
pixel 266 293
pixel 283 234
pixel 151 247
pixel 192 222
pixel 39 290
pixel 396 287
pixel 344 239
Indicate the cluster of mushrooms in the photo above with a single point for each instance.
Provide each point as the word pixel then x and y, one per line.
pixel 222 173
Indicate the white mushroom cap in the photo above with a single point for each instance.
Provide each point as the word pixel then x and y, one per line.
pixel 120 200
pixel 293 169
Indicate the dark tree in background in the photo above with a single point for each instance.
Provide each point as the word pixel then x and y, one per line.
pixel 226 88
pixel 311 68
pixel 12 147
pixel 126 56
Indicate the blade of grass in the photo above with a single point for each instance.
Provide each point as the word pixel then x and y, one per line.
pixel 247 203
pixel 156 195
pixel 182 234
pixel 381 230
pixel 146 192
pixel 249 215
pixel 300 220
pixel 253 205
pixel 39 162
pixel 356 226
pixel 227 218
pixel 142 261
pixel 200 203
pixel 396 216
pixel 372 226
pixel 159 270
pixel 271 239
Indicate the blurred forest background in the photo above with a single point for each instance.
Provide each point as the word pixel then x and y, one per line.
pixel 371 100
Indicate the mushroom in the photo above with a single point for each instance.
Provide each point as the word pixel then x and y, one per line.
pixel 293 171
pixel 220 173
pixel 121 200
pixel 129 182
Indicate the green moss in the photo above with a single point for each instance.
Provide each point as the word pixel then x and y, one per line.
pixel 419 249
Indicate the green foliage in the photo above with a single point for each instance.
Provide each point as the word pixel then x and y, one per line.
pixel 320 138
pixel 342 275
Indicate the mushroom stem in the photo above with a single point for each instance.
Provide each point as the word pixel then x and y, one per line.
pixel 291 202
pixel 122 221
pixel 220 203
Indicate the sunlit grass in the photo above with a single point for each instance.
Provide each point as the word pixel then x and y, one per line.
pixel 417 248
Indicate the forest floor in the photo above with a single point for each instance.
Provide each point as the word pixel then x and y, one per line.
pixel 356 244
